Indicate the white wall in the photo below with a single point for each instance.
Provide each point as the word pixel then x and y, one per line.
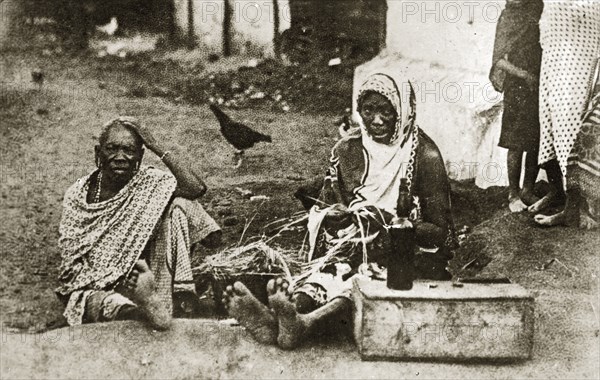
pixel 445 48
pixel 208 18
pixel 252 24
pixel 9 12
pixel 456 34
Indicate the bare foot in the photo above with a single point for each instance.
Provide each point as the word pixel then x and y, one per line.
pixel 251 313
pixel 528 197
pixel 515 204
pixel 586 221
pixel 292 325
pixel 558 219
pixel 542 203
pixel 140 287
pixel 238 157
pixel 140 284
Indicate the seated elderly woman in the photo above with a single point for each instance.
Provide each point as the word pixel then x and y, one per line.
pixel 356 204
pixel 127 230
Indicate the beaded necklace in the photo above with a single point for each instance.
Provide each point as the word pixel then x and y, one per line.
pixel 98 188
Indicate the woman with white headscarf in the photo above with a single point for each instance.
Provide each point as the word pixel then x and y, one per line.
pixel 356 204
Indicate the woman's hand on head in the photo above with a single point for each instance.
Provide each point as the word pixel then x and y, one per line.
pixel 147 136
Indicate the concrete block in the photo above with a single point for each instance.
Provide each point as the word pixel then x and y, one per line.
pixel 439 321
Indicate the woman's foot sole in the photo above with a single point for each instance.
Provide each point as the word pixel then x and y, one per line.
pixel 256 317
pixel 292 325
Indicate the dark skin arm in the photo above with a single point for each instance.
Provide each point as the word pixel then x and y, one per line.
pixel 434 197
pixel 511 69
pixel 189 183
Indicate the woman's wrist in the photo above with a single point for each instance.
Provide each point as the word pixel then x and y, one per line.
pixel 166 154
pixel 159 151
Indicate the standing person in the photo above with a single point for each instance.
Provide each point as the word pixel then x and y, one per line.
pixel 515 71
pixel 570 37
pixel 357 202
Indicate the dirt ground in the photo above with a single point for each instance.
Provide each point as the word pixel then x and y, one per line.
pixel 47 143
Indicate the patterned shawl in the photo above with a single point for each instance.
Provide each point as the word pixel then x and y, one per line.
pixel 101 242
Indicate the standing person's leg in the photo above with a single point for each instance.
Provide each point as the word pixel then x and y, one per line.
pixel 568 216
pixel 556 192
pixel 588 217
pixel 514 136
pixel 531 172
pixel 514 159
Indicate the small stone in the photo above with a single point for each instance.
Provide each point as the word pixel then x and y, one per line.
pixel 259 198
pixel 295 177
pixel 230 221
pixel 244 192
pixel 334 62
pixel 464 230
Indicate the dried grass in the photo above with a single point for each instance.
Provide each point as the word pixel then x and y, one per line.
pixel 262 256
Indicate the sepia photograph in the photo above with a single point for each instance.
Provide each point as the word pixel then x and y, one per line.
pixel 299 189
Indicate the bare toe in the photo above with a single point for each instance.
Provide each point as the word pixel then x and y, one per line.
pixel 543 203
pixel 271 287
pixel 550 220
pixel 239 289
pixel 515 204
pixel 587 223
pixel 256 317
pixel 228 292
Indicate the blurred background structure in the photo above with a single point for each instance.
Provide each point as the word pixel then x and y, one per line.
pixel 443 47
pixel 223 27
